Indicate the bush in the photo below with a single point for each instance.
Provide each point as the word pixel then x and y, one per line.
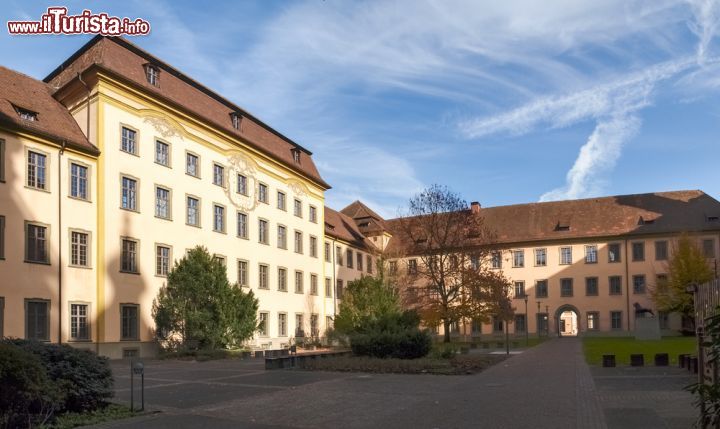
pixel 82 378
pixel 406 344
pixel 27 396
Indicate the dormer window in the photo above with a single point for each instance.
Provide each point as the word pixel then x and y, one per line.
pixel 712 218
pixel 236 119
pixel 646 221
pixel 296 155
pixel 562 226
pixel 152 74
pixel 26 115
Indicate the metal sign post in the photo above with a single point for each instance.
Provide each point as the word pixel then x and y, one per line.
pixel 137 368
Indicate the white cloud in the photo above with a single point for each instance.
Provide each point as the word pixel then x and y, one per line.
pixel 705 24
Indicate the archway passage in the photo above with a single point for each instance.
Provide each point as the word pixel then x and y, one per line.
pixel 567 320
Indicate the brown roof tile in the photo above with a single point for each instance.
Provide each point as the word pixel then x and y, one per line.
pixel 342 227
pixel 622 215
pixel 366 219
pixel 53 119
pixel 127 62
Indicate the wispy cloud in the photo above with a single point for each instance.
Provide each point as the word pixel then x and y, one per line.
pixel 705 25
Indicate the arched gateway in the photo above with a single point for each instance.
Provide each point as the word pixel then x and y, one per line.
pixel 567 321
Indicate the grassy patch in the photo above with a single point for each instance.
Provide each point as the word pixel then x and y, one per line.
pixel 622 348
pixel 460 364
pixel 107 414
pixel 202 355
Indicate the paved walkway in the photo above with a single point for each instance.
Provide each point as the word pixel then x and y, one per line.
pixel 548 386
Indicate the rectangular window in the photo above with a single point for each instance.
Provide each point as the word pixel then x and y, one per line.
pixel 162 260
pixel 152 74
pixel 313 284
pixel 540 257
pixel 614 252
pixel 282 279
pixel 78 181
pixel 520 325
pixel 566 287
pixel 282 324
pixel 340 287
pixel 661 250
pixel 593 321
pixel 2 237
pixel 128 260
pixel 242 273
pixel 281 237
pixel 299 287
pixel 242 225
pixel 591 254
pixel 369 264
pixel 616 320
pixel 79 249
pixel 328 287
pixel 193 211
pixel 328 322
pixel 242 185
pixel 664 319
pixel 349 258
pixel 519 290
pixel 615 285
pixel 708 246
pixel 36 245
pixel 498 325
pixel 327 252
pixel 219 175
pixel 129 194
pixel 263 231
pixel 162 153
pixel 129 141
pixel 638 284
pixel 298 242
pixel 541 289
pixel 591 286
pixel 638 251
pixel 297 208
pixel 192 165
pixel 221 259
pixel 263 324
pixel 36 170
pixel 129 322
pixel 263 193
pixel 314 329
pixel 280 200
pixel 518 258
pixel 79 322
pixel 474 262
pixel 313 246
pixel 412 266
pixel 218 218
pixel 497 259
pixel 162 203
pixel 359 261
pixel 565 255
pixel 263 276
pixel 37 320
pixel 313 213
pixel 339 255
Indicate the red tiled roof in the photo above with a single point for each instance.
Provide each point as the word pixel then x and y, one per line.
pixel 631 215
pixel 366 219
pixel 126 61
pixel 343 228
pixel 53 119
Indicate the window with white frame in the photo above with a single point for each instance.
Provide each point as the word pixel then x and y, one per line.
pixel 263 231
pixel 328 287
pixel 313 214
pixel 79 322
pixel 262 193
pixel 162 203
pixel 281 237
pixel 328 256
pixel 242 185
pixel 36 170
pixel 243 272
pixel 219 175
pixel 218 218
pixel 313 246
pixel 519 289
pixel 36 243
pixel 541 257
pixel 162 260
pixel 263 276
pixel 282 279
pixel 281 200
pixel 152 74
pixel 162 153
pixel 263 324
pixel 282 325
pixel 129 322
pixel 298 242
pixel 299 286
pixel 242 225
pixel 297 208
pixel 193 211
pixel 299 324
pixel 518 258
pixel 593 321
pixel 128 200
pixel 616 320
pixel 128 259
pixel 79 246
pixel 565 255
pixel 192 164
pixel 128 141
pixel 78 181
pixel 591 254
pixel 313 284
pixel 496 259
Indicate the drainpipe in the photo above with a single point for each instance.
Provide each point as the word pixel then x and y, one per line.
pixel 87 126
pixel 60 245
pixel 627 284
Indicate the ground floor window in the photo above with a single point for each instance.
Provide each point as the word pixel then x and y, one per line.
pixel 498 325
pixel 129 322
pixel 476 326
pixel 299 325
pixel 616 319
pixel 37 320
pixel 664 319
pixel 263 324
pixel 520 324
pixel 314 331
pixel 79 322
pixel 542 323
pixel 282 325
pixel 593 321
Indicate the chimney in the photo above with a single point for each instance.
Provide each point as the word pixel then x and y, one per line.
pixel 475 207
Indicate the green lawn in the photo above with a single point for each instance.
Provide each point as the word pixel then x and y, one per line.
pixel 622 348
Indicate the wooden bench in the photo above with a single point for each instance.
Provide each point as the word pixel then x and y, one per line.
pixel 298 360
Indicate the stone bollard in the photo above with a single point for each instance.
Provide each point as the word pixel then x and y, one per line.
pixel 662 359
pixel 637 360
pixel 608 361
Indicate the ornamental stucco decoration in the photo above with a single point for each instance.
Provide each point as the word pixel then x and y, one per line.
pixel 298 188
pixel 238 163
pixel 164 127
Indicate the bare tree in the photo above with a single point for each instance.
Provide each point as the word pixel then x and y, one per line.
pixel 447 250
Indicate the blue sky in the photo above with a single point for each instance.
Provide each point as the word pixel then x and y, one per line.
pixel 504 102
